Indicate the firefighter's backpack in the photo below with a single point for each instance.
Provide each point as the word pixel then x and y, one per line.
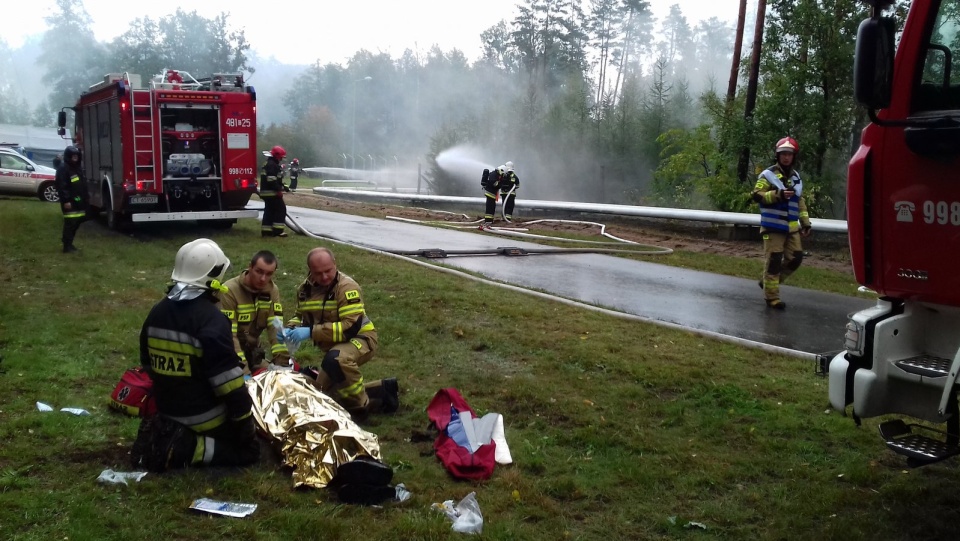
pixel 133 395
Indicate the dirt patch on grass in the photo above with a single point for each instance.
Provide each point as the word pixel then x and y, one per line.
pixel 824 250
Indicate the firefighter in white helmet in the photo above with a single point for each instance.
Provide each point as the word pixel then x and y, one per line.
pixel 509 185
pixel 783 219
pixel 203 408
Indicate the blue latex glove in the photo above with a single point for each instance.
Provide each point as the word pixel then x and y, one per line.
pixel 296 335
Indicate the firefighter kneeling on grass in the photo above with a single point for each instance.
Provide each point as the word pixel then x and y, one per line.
pixel 252 304
pixel 271 191
pixel 330 312
pixel 783 219
pixel 203 408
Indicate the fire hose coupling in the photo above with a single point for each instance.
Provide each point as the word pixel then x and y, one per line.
pixel 513 251
pixel 188 165
pixel 433 253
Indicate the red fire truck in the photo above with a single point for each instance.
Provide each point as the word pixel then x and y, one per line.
pixel 175 148
pixel 903 203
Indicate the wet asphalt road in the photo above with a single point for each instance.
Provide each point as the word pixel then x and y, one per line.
pixel 813 323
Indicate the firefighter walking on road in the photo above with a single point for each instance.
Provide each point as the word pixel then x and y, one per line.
pixel 252 303
pixel 71 186
pixel 783 219
pixel 271 192
pixel 295 171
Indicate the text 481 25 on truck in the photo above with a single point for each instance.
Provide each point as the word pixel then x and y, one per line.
pixel 177 148
pixel 903 216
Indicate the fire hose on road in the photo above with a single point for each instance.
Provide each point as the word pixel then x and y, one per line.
pixel 411 257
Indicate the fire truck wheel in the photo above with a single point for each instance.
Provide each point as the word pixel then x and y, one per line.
pixel 115 220
pixel 222 224
pixel 48 192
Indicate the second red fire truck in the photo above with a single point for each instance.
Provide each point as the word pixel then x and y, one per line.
pixel 172 148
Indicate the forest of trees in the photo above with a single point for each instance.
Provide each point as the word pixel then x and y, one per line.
pixel 594 101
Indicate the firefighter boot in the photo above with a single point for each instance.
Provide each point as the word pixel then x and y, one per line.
pixel 364 481
pixel 384 395
pixel 172 446
pixel 777 304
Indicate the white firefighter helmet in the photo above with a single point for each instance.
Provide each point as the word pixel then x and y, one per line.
pixel 509 166
pixel 200 263
pixel 502 169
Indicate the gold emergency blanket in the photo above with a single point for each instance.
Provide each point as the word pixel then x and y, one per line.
pixel 316 435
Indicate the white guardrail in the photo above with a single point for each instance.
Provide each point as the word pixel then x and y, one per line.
pixel 731 218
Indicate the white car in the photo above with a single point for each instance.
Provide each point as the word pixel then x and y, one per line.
pixel 19 175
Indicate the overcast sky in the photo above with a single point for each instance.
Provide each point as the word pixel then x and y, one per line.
pixel 304 31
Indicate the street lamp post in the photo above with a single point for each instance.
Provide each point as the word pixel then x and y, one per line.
pixel 353 134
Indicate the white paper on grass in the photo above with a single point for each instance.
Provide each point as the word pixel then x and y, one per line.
pixel 229 509
pixel 119 477
pixel 43 407
pixel 502 452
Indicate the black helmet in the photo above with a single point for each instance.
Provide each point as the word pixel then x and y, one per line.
pixel 70 152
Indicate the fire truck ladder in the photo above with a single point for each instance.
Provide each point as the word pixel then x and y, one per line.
pixel 143 136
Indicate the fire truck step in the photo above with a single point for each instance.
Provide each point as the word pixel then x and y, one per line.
pixel 926 365
pixel 920 449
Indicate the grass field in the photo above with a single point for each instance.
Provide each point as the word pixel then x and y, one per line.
pixel 618 429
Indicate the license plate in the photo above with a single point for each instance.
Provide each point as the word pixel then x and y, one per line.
pixel 143 200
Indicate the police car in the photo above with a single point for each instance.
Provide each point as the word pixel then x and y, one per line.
pixel 21 176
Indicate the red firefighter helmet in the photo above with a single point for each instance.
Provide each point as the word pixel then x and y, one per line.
pixel 296 161
pixel 788 144
pixel 278 152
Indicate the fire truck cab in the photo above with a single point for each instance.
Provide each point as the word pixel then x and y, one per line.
pixel 903 216
pixel 175 148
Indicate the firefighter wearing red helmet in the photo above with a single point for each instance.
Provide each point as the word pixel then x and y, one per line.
pixel 295 171
pixel 271 192
pixel 783 219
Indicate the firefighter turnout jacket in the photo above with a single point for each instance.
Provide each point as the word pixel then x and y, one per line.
pixel 334 313
pixel 186 348
pixel 250 314
pixel 271 178
pixel 778 213
pixel 71 186
pixel 509 181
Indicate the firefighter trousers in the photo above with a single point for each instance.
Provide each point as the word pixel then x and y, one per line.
pixel 274 215
pixel 222 446
pixel 508 201
pixel 783 254
pixel 491 209
pixel 71 223
pixel 340 376
pixel 163 443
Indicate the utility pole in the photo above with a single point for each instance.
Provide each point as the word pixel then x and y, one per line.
pixel 737 48
pixel 744 162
